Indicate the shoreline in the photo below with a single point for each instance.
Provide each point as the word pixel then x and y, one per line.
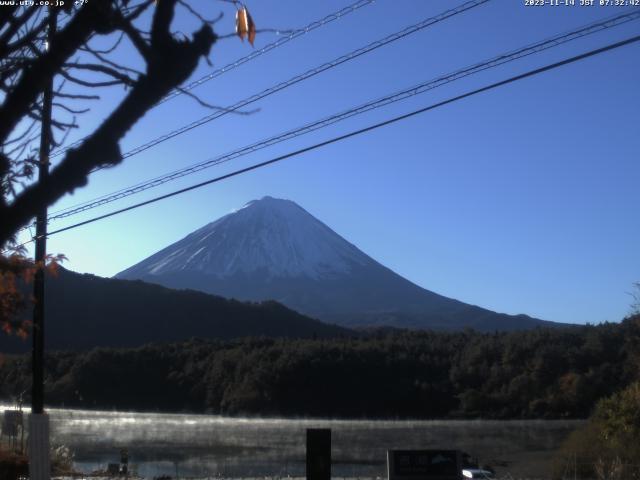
pixel 300 419
pixel 217 447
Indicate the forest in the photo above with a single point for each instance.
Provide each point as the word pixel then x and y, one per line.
pixel 540 373
pixel 87 311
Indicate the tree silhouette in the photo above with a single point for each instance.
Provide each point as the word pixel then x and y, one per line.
pixel 27 63
pixel 75 58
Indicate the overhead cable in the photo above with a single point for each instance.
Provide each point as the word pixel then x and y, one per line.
pixel 354 133
pixel 366 107
pixel 304 76
pixel 247 58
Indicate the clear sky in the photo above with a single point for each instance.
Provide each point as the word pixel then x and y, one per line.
pixel 521 200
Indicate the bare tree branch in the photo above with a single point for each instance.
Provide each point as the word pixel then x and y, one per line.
pixel 138 10
pixel 90 84
pixel 169 62
pixel 69 109
pixel 76 96
pixel 122 78
pixel 195 13
pixel 108 50
pixel 25 40
pixel 136 38
pixel 31 82
pixel 216 107
pixel 100 56
pixel 14 26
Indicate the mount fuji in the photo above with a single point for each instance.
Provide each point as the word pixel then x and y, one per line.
pixel 272 249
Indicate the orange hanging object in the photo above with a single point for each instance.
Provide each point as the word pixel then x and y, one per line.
pixel 244 25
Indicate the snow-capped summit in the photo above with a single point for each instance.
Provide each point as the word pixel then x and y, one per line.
pixel 273 249
pixel 271 236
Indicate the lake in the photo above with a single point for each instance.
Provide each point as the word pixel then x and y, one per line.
pixel 209 445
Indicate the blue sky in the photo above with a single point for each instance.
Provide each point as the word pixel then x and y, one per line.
pixel 522 200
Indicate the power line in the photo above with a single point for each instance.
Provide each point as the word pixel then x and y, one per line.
pixel 305 76
pixel 295 34
pixel 386 100
pixel 247 58
pixel 354 133
pixel 308 74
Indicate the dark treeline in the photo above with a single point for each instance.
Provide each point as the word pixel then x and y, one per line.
pixel 542 373
pixel 85 311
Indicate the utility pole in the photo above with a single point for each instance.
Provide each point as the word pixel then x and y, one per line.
pixel 39 463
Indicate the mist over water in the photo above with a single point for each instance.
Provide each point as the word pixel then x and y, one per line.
pixel 209 445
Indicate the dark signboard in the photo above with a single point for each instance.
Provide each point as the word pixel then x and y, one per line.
pixel 424 464
pixel 318 454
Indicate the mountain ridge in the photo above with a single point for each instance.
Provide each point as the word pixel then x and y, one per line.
pixel 274 249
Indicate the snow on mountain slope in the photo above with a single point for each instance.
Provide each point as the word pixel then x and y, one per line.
pixel 268 235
